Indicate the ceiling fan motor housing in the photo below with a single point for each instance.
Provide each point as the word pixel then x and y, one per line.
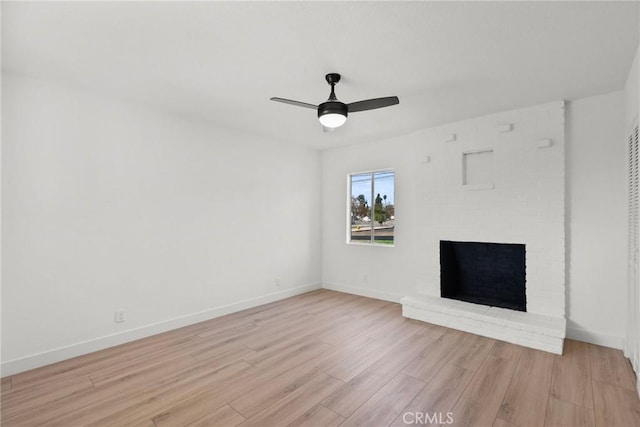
pixel 332 107
pixel 332 114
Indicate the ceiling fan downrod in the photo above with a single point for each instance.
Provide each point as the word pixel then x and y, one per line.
pixel 332 79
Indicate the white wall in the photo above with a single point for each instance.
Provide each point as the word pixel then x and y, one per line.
pixel 597 279
pixel 597 220
pixel 109 206
pixel 378 271
pixel 632 94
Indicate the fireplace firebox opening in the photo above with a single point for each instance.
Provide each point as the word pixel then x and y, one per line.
pixel 492 274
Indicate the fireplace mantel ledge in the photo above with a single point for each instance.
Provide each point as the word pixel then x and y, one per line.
pixel 527 329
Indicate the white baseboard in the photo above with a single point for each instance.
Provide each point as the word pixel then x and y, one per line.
pixel 595 338
pixel 11 367
pixel 371 293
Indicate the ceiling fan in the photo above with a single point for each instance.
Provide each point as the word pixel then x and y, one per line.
pixel 333 113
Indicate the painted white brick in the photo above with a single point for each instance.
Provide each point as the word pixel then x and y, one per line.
pixel 528 329
pixel 526 206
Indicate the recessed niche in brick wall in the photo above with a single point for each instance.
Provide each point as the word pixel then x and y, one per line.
pixel 477 169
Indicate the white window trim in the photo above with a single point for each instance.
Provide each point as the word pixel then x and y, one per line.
pixel 371 243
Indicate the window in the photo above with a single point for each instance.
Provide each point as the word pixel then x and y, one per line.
pixel 371 210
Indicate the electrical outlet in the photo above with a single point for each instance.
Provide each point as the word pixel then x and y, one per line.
pixel 277 281
pixel 118 316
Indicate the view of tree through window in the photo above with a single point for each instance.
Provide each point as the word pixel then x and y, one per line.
pixel 372 207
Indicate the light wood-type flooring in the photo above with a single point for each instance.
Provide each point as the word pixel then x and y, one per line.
pixel 325 359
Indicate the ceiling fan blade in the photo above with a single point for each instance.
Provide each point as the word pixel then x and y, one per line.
pixel 297 103
pixel 372 104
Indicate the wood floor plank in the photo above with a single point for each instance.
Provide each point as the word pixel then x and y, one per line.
pixel 337 306
pixel 318 416
pixel 480 402
pixel 245 319
pixel 323 305
pixel 384 406
pixel 571 378
pixel 506 350
pixel 145 423
pixel 190 412
pixel 276 309
pixel 273 353
pixel 278 388
pixel 440 394
pixel 144 406
pixel 149 375
pixel 279 332
pixel 389 327
pixel 436 355
pixel 406 330
pixel 304 332
pixel 338 301
pixel 260 385
pixel 138 405
pixel 42 412
pixel 43 394
pixel 525 402
pixel 611 367
pixel 209 346
pixel 375 350
pixel 358 390
pixel 226 332
pixel 561 414
pixel 290 408
pixel 199 405
pixel 146 376
pixel 94 362
pixel 472 352
pixel 278 312
pixel 422 329
pixel 128 368
pixel 502 423
pixel 615 406
pixel 360 326
pixel 225 416
pixel 6 384
pixel 334 305
pixel 224 357
pixel 288 357
pixel 371 353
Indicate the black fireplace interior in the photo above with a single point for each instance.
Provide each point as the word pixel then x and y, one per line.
pixel 484 273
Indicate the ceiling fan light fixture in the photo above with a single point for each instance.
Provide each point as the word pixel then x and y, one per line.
pixel 332 114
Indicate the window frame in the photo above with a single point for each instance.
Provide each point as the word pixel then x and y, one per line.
pixel 372 241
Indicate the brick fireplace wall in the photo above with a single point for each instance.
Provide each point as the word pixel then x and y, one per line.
pixel 516 195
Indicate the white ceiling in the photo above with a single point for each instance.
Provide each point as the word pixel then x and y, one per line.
pixel 222 61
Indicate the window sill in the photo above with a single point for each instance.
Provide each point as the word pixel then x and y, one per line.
pixel 371 244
